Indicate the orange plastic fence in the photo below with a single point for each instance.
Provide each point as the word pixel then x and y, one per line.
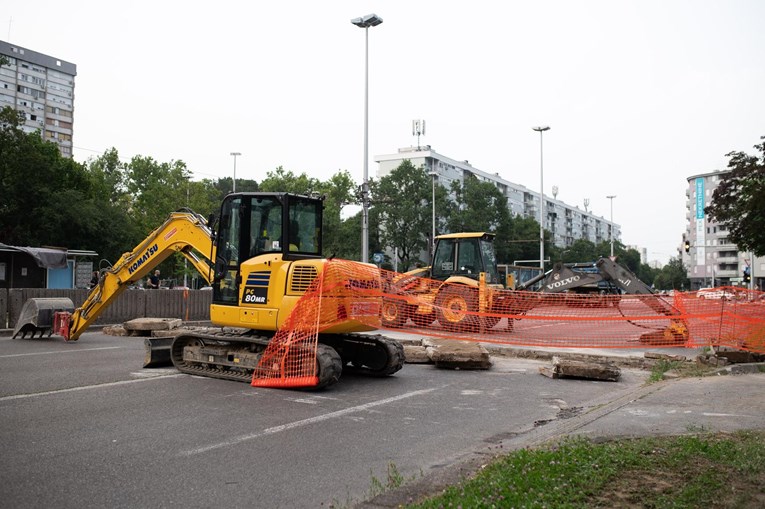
pixel 365 297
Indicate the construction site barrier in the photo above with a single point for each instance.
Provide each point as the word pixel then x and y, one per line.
pixel 369 297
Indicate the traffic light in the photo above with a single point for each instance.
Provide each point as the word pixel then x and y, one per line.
pixel 687 247
pixel 747 275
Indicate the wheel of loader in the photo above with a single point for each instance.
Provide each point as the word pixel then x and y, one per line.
pixel 453 304
pixel 393 313
pixel 328 364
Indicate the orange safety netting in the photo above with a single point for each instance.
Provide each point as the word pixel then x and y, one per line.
pixel 363 297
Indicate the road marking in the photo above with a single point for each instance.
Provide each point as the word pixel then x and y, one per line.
pixel 301 423
pixel 59 352
pixel 711 414
pixel 85 387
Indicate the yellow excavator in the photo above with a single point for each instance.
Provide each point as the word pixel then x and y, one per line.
pixel 260 261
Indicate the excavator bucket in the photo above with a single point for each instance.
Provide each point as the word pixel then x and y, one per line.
pixel 37 315
pixel 157 353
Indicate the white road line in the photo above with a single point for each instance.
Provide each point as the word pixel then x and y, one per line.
pixel 59 352
pixel 304 422
pixel 712 414
pixel 86 387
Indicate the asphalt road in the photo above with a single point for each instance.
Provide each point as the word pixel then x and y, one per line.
pixel 82 425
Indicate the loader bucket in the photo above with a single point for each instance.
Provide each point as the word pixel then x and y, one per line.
pixel 157 352
pixel 37 315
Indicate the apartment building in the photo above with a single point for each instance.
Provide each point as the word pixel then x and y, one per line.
pixel 42 87
pixel 711 258
pixel 566 223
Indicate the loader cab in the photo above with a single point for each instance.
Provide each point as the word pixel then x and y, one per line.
pixel 465 254
pixel 258 224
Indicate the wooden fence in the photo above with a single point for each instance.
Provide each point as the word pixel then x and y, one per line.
pixel 187 305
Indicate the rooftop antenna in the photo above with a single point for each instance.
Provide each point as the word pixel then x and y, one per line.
pixel 418 129
pixel 586 204
pixel 555 192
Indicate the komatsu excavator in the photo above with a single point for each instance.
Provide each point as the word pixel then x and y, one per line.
pixel 261 260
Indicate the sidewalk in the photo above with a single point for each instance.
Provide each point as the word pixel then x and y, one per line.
pixel 671 407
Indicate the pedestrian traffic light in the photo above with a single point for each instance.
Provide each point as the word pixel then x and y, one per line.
pixel 687 247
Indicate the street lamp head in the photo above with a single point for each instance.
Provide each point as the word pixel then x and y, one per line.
pixel 370 20
pixel 236 153
pixel 541 128
pixel 611 196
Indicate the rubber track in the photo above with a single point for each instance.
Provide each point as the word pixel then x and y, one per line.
pixel 393 349
pixel 210 370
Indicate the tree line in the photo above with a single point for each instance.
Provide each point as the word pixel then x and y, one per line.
pixel 108 205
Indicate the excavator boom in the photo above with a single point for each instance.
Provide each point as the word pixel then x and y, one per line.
pixel 183 231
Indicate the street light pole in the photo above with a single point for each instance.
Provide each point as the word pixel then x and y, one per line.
pixel 233 189
pixel 370 20
pixel 541 130
pixel 611 197
pixel 185 261
pixel 433 175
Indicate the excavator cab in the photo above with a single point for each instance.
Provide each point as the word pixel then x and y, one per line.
pixel 276 227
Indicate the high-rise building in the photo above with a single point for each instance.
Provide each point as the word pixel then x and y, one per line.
pixel 566 223
pixel 712 259
pixel 42 87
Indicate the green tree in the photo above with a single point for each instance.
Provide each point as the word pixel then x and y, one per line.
pixel 36 185
pixel 673 276
pixel 402 201
pixel 156 189
pixel 523 242
pixel 738 200
pixel 338 193
pixel 478 207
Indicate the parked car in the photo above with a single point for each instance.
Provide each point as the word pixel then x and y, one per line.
pixel 715 293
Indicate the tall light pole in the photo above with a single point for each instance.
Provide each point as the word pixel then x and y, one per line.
pixel 233 189
pixel 433 174
pixel 185 261
pixel 541 130
pixel 611 197
pixel 370 20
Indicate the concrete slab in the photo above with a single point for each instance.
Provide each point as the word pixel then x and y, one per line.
pixel 152 324
pixel 453 354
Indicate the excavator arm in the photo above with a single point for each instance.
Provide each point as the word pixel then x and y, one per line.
pixel 184 232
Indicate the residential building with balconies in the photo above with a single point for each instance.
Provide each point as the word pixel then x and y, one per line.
pixel 41 87
pixel 566 223
pixel 712 259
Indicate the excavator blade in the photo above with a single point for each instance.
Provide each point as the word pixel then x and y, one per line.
pixel 37 315
pixel 157 353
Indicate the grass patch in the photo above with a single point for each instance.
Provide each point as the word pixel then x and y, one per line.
pixel 720 470
pixel 680 368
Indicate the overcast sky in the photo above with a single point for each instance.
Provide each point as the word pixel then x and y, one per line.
pixel 639 95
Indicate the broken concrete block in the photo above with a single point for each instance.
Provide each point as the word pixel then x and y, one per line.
pixel 416 354
pixel 152 324
pixel 567 368
pixel 453 354
pixel 664 356
pixel 114 330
